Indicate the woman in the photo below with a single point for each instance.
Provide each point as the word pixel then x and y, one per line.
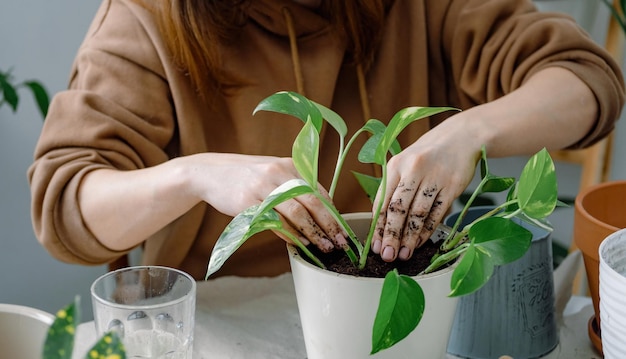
pixel 154 142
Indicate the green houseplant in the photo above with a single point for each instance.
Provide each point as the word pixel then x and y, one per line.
pixel 59 343
pixel 9 89
pixel 491 240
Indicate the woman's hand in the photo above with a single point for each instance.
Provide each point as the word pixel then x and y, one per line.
pixel 232 182
pixel 154 197
pixel 553 109
pixel 422 182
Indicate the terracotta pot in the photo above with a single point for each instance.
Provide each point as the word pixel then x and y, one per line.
pixel 24 331
pixel 337 311
pixel 598 212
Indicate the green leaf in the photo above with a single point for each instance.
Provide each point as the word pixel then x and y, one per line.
pixel 60 338
pixel 537 187
pixel 290 189
pixel 108 347
pixel 294 104
pixel 495 184
pixel 253 220
pixel 333 119
pixel 367 154
pixel 376 128
pixel 560 203
pixel 492 183
pixel 473 271
pixel 484 165
pixel 41 96
pixel 240 229
pixel 502 239
pixel 369 184
pixel 538 222
pixel 9 93
pixel 305 153
pixel 400 310
pixel 399 122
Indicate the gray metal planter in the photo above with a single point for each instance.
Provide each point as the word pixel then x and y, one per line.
pixel 513 314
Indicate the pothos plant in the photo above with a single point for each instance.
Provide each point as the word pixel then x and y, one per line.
pixel 59 342
pixel 491 240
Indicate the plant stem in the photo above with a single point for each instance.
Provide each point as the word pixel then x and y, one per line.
pixel 340 160
pixel 455 240
pixel 339 218
pixel 302 247
pixel 452 238
pixel 446 258
pixel 375 215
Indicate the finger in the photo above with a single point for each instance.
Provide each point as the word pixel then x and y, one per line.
pixel 301 221
pixel 396 217
pixel 417 220
pixel 377 237
pixel 437 212
pixel 323 218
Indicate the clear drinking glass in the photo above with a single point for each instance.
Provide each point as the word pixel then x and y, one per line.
pixel 151 308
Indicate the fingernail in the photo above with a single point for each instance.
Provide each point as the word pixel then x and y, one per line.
pixel 340 240
pixel 404 254
pixel 376 246
pixel 325 245
pixel 388 254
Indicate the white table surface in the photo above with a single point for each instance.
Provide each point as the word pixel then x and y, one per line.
pixel 251 318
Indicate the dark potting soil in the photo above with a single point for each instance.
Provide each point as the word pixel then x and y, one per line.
pixel 339 262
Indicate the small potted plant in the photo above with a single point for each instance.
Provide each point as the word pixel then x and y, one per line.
pixel 59 343
pixel 466 255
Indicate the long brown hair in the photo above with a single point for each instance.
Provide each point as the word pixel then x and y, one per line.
pixel 192 28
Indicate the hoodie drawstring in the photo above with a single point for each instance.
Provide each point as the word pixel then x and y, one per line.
pixel 295 56
pixel 297 70
pixel 365 103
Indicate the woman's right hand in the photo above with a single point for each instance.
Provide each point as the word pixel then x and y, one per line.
pixel 233 182
pixel 155 196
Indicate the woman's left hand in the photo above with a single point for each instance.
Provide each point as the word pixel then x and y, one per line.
pixel 422 182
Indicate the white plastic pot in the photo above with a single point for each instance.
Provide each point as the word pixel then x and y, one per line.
pixel 337 311
pixel 612 295
pixel 24 331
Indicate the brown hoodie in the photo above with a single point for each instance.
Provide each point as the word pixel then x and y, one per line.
pixel 128 106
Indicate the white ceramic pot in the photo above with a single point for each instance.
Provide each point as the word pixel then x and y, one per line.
pixel 612 295
pixel 337 311
pixel 24 331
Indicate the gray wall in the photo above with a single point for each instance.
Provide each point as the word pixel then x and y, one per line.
pixel 39 39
